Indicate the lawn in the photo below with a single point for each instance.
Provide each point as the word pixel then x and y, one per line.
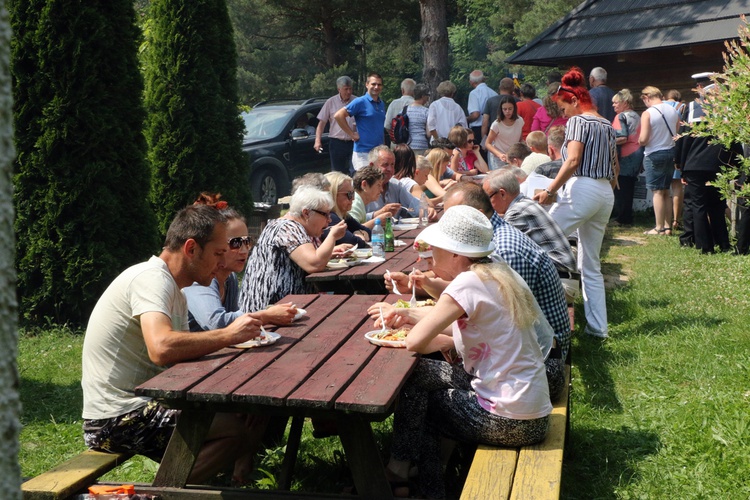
pixel 659 410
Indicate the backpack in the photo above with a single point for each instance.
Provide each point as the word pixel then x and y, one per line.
pixel 400 128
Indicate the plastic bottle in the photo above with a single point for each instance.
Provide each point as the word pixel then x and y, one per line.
pixel 424 211
pixel 378 240
pixel 389 240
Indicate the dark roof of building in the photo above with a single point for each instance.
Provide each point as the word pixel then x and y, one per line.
pixel 604 27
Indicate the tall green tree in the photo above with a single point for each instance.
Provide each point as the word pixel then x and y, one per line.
pixel 194 129
pixel 81 183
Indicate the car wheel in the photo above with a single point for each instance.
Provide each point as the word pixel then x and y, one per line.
pixel 266 188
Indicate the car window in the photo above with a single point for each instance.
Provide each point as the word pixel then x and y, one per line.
pixel 263 123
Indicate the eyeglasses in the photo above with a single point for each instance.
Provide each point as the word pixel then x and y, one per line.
pixel 561 88
pixel 470 140
pixel 327 215
pixel 236 243
pixel 349 194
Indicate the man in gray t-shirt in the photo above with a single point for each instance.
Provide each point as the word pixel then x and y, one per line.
pixel 138 327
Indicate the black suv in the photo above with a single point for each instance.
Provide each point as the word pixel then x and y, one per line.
pixel 279 139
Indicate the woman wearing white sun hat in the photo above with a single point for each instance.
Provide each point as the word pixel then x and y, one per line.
pixel 499 395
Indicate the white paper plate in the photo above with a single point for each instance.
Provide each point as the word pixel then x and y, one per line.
pixel 271 337
pixel 373 338
pixel 410 220
pixel 405 227
pixel 373 260
pixel 363 253
pixel 300 313
pixel 336 264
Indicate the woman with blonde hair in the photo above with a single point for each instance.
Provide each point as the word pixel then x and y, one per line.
pixel 658 128
pixel 440 160
pixel 627 125
pixel 499 395
pixel 342 192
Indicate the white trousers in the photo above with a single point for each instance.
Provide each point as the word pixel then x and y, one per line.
pixel 585 204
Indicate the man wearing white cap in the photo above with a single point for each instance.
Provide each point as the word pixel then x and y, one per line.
pixel 499 394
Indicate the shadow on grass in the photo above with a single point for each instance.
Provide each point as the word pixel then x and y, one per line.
pixel 592 358
pixel 45 401
pixel 598 474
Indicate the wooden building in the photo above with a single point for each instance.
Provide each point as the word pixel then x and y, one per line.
pixel 640 42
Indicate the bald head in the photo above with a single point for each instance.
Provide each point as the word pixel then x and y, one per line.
pixel 468 193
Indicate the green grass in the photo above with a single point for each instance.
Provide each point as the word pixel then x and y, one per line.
pixel 659 410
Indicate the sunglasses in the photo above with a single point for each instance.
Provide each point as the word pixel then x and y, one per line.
pixel 236 243
pixel 327 215
pixel 349 194
pixel 470 140
pixel 563 89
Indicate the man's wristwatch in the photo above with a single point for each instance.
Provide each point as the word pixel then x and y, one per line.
pixel 549 193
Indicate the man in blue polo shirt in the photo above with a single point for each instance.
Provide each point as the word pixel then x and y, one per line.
pixel 369 113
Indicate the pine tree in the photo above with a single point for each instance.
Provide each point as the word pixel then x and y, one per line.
pixel 82 182
pixel 194 129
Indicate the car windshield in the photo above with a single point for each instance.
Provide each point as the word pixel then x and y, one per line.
pixel 264 123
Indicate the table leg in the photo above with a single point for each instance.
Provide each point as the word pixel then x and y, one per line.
pixel 290 457
pixel 182 450
pixel 363 457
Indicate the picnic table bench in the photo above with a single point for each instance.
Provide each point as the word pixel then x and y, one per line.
pixel 524 473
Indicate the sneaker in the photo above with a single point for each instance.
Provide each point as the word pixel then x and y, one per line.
pixel 601 335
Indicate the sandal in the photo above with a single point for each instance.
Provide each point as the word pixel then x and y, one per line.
pixel 666 231
pixel 654 231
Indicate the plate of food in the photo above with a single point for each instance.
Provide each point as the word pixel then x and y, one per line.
pixel 420 303
pixel 405 227
pixel 389 337
pixel 265 338
pixel 363 253
pixel 342 262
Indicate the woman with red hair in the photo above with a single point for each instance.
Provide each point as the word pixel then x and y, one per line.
pixel 585 184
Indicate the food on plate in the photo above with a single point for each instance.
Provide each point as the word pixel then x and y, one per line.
pixel 420 303
pixel 421 246
pixel 394 335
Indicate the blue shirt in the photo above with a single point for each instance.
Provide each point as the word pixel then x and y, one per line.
pixel 538 271
pixel 206 311
pixel 370 116
pixel 395 192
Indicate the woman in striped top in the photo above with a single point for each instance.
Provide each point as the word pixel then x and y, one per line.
pixel 585 182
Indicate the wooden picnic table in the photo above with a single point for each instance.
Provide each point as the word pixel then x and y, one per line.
pixel 322 366
pixel 364 278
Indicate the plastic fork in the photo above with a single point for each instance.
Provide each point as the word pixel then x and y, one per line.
pixel 413 301
pixel 383 328
pixel 395 286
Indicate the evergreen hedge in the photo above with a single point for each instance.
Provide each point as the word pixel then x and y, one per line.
pixel 81 180
pixel 194 129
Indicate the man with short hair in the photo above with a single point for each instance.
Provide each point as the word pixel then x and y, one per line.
pixel 397 105
pixel 517 153
pixel 394 195
pixel 529 217
pixel 444 113
pixel 369 113
pixel 477 99
pixel 340 145
pixel 555 140
pixel 138 327
pixel 601 95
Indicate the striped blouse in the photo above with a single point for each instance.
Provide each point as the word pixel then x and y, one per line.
pixel 599 147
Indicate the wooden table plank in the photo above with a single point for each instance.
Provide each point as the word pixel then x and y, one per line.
pixel 303 358
pixel 219 386
pixel 321 389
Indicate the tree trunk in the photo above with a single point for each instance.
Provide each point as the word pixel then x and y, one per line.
pixel 10 473
pixel 329 39
pixel 434 38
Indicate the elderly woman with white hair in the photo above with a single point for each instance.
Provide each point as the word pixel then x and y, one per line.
pixel 289 249
pixel 499 394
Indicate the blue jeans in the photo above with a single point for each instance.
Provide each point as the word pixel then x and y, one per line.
pixel 341 155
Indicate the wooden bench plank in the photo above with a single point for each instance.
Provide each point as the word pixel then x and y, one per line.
pixel 78 473
pixel 491 474
pixel 539 468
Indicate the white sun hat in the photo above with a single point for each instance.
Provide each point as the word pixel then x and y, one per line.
pixel 462 230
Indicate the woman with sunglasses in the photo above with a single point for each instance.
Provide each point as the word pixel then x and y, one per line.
pixel 216 306
pixel 584 187
pixel 342 192
pixel 290 248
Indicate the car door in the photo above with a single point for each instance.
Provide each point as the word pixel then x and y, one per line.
pixel 303 158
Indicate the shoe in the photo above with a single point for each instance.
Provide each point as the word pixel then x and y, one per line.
pixel 601 335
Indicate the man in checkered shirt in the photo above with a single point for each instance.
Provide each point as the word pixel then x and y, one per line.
pixel 524 256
